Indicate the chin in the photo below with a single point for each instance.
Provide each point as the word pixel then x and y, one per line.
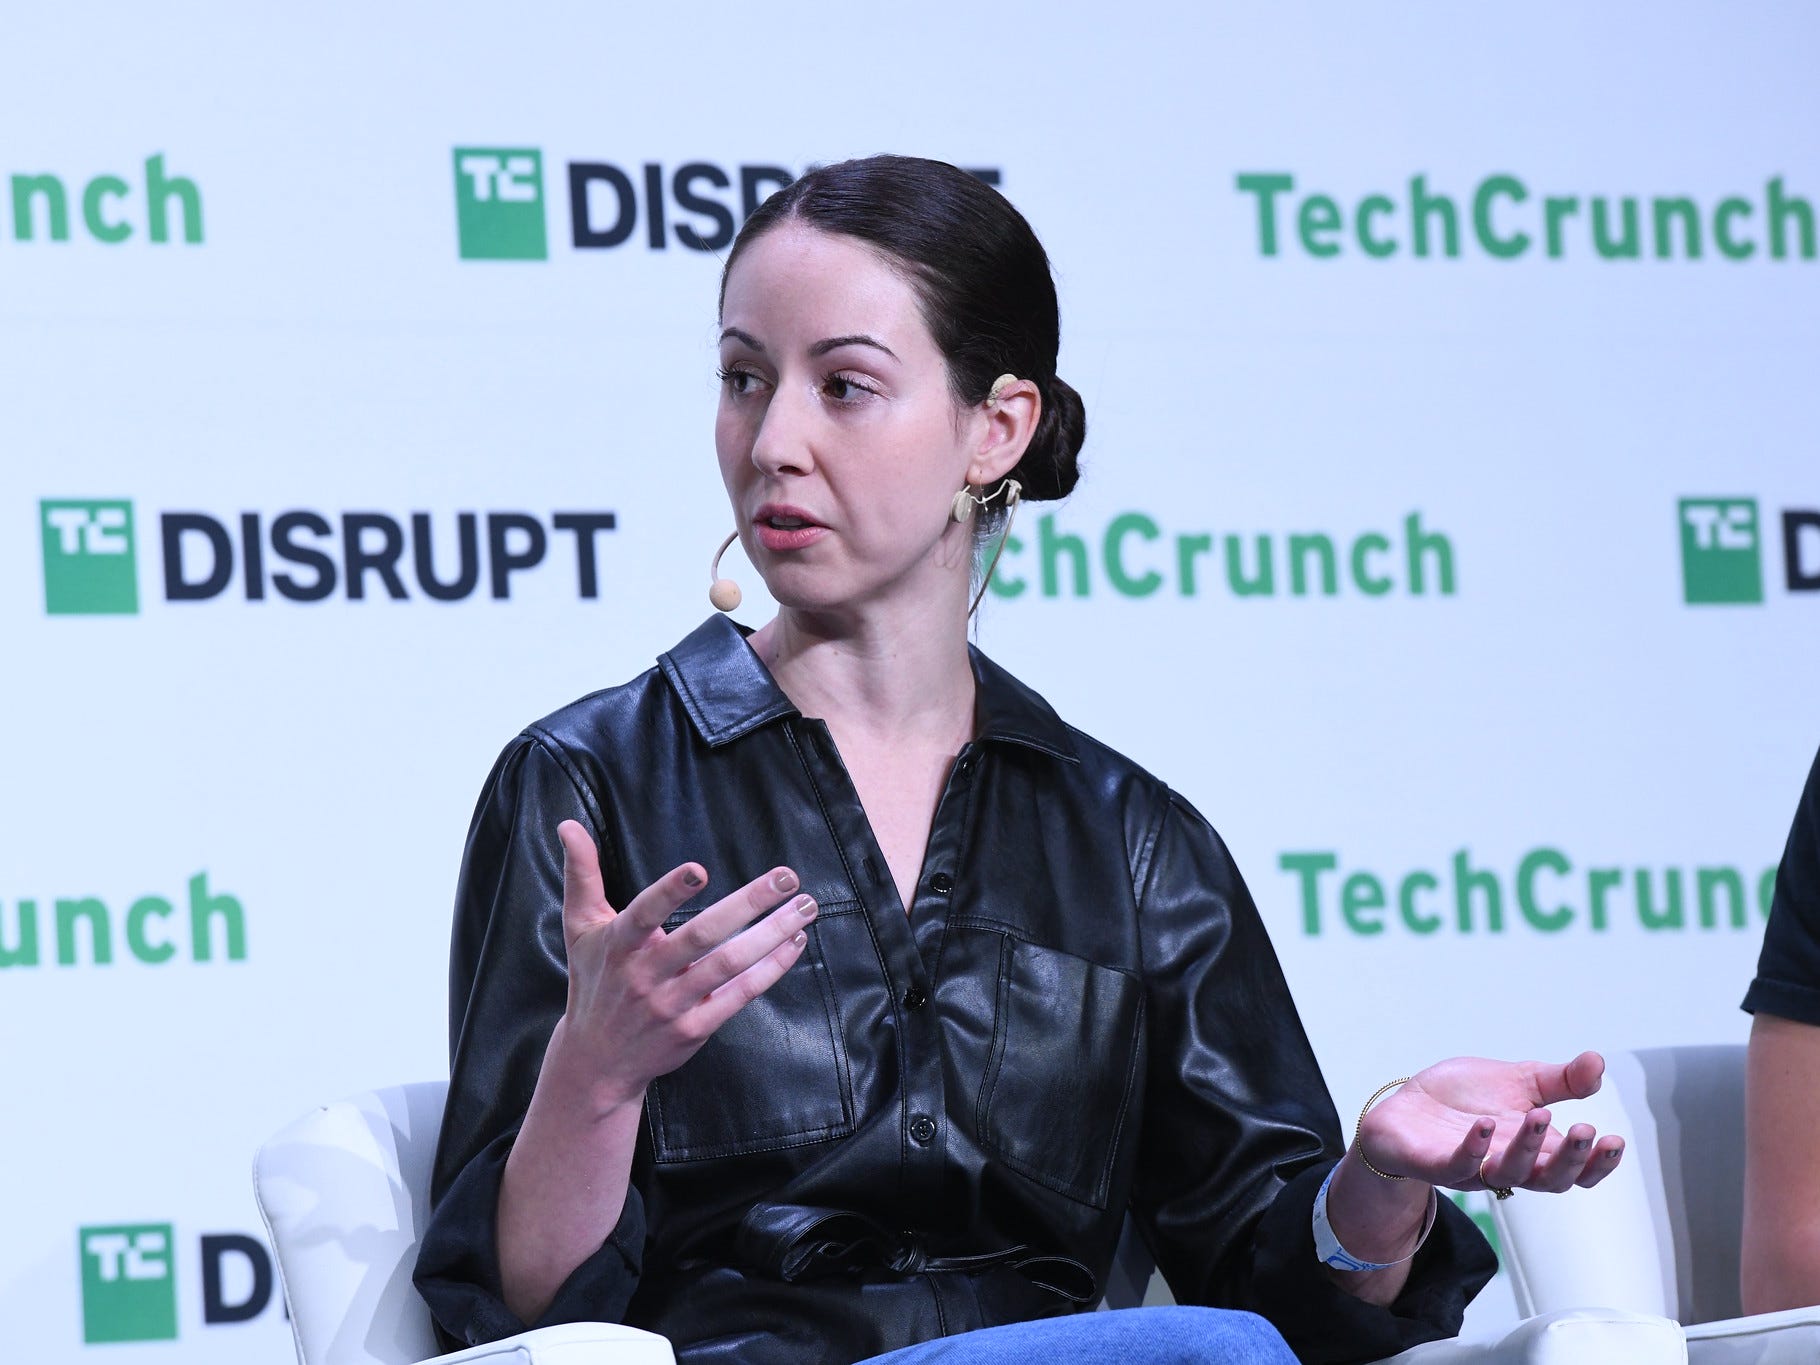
pixel 812 598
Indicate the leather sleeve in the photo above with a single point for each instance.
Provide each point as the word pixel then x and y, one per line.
pixel 508 984
pixel 1239 1131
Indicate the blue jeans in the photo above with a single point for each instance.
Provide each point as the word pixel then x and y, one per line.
pixel 1130 1336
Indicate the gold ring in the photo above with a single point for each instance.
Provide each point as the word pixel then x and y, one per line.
pixel 1502 1191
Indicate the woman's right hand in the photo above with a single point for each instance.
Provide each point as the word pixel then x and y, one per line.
pixel 642 1001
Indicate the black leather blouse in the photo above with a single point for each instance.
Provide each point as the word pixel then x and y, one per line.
pixel 936 1121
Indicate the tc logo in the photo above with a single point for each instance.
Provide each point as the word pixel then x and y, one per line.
pixel 499 203
pixel 89 565
pixel 1721 550
pixel 129 1292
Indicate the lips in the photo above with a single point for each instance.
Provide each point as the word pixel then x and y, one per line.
pixel 780 527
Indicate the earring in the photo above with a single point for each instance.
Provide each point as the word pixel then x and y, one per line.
pixel 1014 492
pixel 969 499
pixel 965 501
pixel 725 593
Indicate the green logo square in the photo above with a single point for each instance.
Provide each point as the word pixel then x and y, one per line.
pixel 89 563
pixel 129 1285
pixel 499 203
pixel 1721 550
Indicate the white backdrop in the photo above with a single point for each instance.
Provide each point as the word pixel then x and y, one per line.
pixel 308 338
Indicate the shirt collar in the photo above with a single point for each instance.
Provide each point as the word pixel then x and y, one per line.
pixel 728 693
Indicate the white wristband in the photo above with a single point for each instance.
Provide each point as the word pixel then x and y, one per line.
pixel 1327 1246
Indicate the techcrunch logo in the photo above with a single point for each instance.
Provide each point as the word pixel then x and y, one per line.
pixel 1502 218
pixel 150 931
pixel 500 203
pixel 91 561
pixel 1135 557
pixel 1722 551
pixel 111 209
pixel 129 1280
pixel 1546 894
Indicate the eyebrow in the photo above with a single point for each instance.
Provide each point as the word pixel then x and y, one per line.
pixel 820 348
pixel 855 339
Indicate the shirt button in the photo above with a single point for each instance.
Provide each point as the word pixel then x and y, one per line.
pixel 941 883
pixel 914 999
pixel 922 1128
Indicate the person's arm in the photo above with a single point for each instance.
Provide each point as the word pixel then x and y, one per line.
pixel 640 1003
pixel 1781 1249
pixel 1239 1135
pixel 1781 1253
pixel 533 1216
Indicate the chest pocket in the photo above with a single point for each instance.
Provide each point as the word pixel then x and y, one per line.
pixel 772 1076
pixel 1062 1068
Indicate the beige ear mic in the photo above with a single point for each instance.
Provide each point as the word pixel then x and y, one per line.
pixel 725 593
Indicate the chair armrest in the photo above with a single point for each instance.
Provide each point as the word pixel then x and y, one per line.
pixel 1573 1336
pixel 1761 1339
pixel 572 1343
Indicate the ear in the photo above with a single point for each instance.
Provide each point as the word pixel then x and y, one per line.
pixel 1007 424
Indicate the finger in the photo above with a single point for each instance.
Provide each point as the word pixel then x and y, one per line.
pixel 1460 1168
pixel 584 894
pixel 727 916
pixel 661 899
pixel 732 997
pixel 746 949
pixel 1605 1158
pixel 1562 1166
pixel 1512 1166
pixel 1573 1080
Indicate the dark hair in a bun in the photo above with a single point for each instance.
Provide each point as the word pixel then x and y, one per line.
pixel 979 271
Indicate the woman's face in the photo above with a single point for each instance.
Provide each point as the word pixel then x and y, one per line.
pixel 839 439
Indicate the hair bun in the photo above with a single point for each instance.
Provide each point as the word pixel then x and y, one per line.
pixel 1051 464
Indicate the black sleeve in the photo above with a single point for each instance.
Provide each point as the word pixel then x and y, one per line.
pixel 1788 971
pixel 1239 1131
pixel 508 984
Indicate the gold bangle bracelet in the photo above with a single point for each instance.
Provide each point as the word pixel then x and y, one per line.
pixel 1359 1128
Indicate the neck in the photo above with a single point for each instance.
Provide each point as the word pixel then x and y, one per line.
pixel 876 674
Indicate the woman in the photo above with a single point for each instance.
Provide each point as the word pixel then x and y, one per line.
pixel 984 987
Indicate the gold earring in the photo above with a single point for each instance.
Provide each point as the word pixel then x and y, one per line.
pixel 1014 493
pixel 970 499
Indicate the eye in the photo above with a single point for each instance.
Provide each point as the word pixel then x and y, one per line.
pixel 740 382
pixel 847 389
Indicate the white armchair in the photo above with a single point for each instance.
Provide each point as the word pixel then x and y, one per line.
pixel 344 1192
pixel 1663 1235
pixel 345 1189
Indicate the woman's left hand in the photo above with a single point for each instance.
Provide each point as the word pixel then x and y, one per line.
pixel 1470 1123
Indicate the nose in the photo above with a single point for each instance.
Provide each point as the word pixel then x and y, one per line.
pixel 781 445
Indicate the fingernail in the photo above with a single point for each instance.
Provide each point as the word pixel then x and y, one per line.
pixel 1538 1128
pixel 691 877
pixel 800 939
pixel 1582 1144
pixel 804 906
pixel 1485 1130
pixel 784 880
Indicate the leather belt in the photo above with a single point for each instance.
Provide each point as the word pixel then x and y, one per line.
pixel 796 1242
